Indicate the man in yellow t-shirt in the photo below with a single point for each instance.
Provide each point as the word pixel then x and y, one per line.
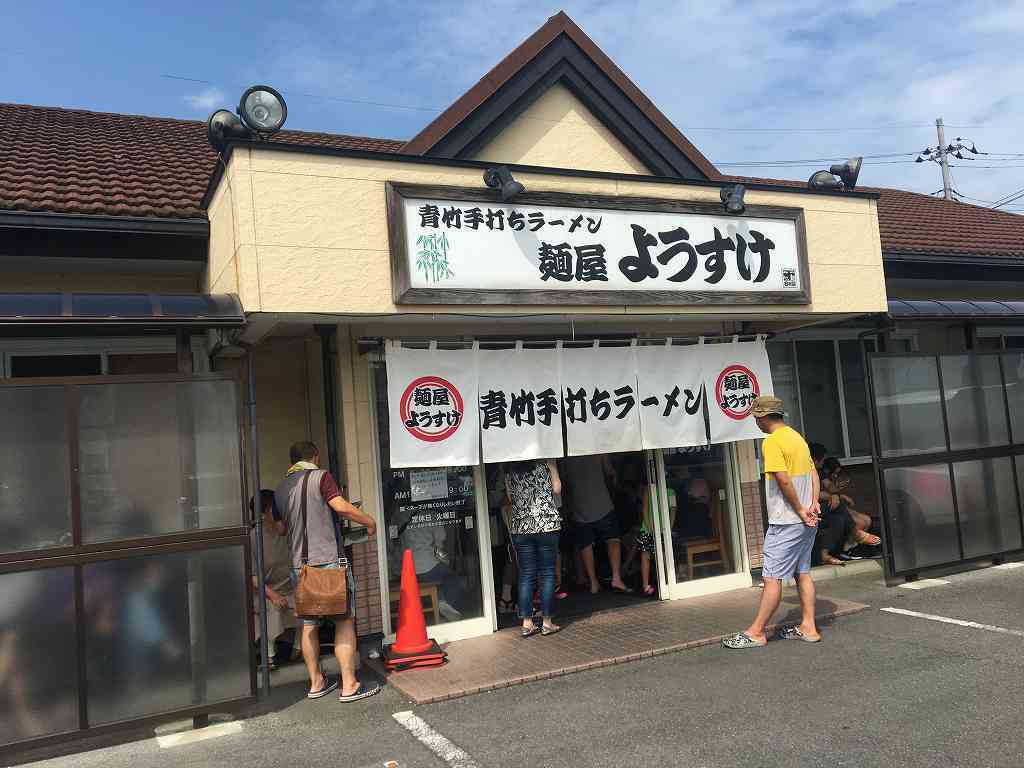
pixel 791 489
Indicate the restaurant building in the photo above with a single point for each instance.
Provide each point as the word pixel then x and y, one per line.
pixel 172 321
pixel 315 235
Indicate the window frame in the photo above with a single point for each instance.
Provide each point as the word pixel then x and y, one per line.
pixel 836 336
pixel 1000 332
pixel 59 347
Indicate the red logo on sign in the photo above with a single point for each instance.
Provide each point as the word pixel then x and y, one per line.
pixel 431 409
pixel 736 390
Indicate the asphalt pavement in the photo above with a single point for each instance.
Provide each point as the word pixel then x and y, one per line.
pixel 882 689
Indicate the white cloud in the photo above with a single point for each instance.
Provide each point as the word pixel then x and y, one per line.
pixel 207 99
pixel 860 77
pixel 868 70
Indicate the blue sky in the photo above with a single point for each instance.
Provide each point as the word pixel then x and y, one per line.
pixel 744 81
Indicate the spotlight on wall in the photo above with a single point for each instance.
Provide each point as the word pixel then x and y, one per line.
pixel 263 110
pixel 261 113
pixel 847 173
pixel 732 199
pixel 501 178
pixel 224 126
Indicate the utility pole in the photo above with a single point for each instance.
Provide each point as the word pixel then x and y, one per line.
pixel 947 182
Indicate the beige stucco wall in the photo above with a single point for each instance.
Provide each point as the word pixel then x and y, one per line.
pixel 289 401
pixel 309 234
pixel 558 131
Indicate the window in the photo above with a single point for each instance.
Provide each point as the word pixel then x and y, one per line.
pixel 110 356
pixel 994 338
pixel 36 366
pixel 824 386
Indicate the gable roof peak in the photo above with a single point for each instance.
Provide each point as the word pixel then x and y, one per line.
pixel 560 52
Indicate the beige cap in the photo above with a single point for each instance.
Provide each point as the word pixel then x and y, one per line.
pixel 767 405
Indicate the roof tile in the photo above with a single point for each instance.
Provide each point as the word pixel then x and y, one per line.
pixel 73 161
pixel 914 223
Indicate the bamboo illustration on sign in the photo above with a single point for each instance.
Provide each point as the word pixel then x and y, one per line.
pixel 432 258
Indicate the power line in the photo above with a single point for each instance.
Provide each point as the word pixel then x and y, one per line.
pixel 810 160
pixel 722 129
pixel 1013 196
pixel 961 165
pixel 804 164
pixel 340 99
pixel 837 129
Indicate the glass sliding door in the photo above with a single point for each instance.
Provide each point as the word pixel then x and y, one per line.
pixel 440 514
pixel 700 527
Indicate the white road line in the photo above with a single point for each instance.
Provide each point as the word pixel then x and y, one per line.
pixel 957 622
pixel 452 755
pixel 923 584
pixel 199 734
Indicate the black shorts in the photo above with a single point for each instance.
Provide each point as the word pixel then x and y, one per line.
pixel 605 529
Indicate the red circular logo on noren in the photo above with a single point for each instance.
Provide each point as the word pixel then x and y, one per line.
pixel 431 409
pixel 736 390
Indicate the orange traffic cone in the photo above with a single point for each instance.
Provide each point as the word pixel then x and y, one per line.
pixel 411 637
pixel 412 647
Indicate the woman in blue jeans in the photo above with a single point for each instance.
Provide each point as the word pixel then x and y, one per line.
pixel 534 523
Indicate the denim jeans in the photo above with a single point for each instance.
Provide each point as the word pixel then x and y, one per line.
pixel 536 553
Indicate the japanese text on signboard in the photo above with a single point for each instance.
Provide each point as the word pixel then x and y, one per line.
pixel 471 246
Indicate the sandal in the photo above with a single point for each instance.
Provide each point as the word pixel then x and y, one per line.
pixel 868 539
pixel 547 631
pixel 621 590
pixel 742 642
pixel 794 633
pixel 829 560
pixel 524 632
pixel 649 591
pixel 330 683
pixel 364 691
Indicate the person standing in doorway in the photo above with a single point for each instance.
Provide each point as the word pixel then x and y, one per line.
pixel 276 582
pixel 534 523
pixel 323 501
pixel 792 489
pixel 587 479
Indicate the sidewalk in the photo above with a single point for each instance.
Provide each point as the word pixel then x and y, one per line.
pixel 603 639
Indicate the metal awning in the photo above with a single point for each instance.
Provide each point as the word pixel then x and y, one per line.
pixel 921 309
pixel 121 309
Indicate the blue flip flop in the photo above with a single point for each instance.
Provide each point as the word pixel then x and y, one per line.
pixel 364 691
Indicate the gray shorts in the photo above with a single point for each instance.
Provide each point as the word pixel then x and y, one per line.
pixel 787 550
pixel 351 593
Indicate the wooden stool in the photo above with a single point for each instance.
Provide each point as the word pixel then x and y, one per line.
pixel 427 590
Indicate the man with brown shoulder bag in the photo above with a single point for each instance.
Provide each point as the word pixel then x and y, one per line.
pixel 308 498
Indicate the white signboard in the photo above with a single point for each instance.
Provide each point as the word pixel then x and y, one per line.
pixel 432 403
pixel 428 484
pixel 656 256
pixel 599 397
pixel 672 393
pixel 735 374
pixel 520 407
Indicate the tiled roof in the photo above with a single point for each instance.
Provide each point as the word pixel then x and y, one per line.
pixel 914 223
pixel 74 161
pixel 910 222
